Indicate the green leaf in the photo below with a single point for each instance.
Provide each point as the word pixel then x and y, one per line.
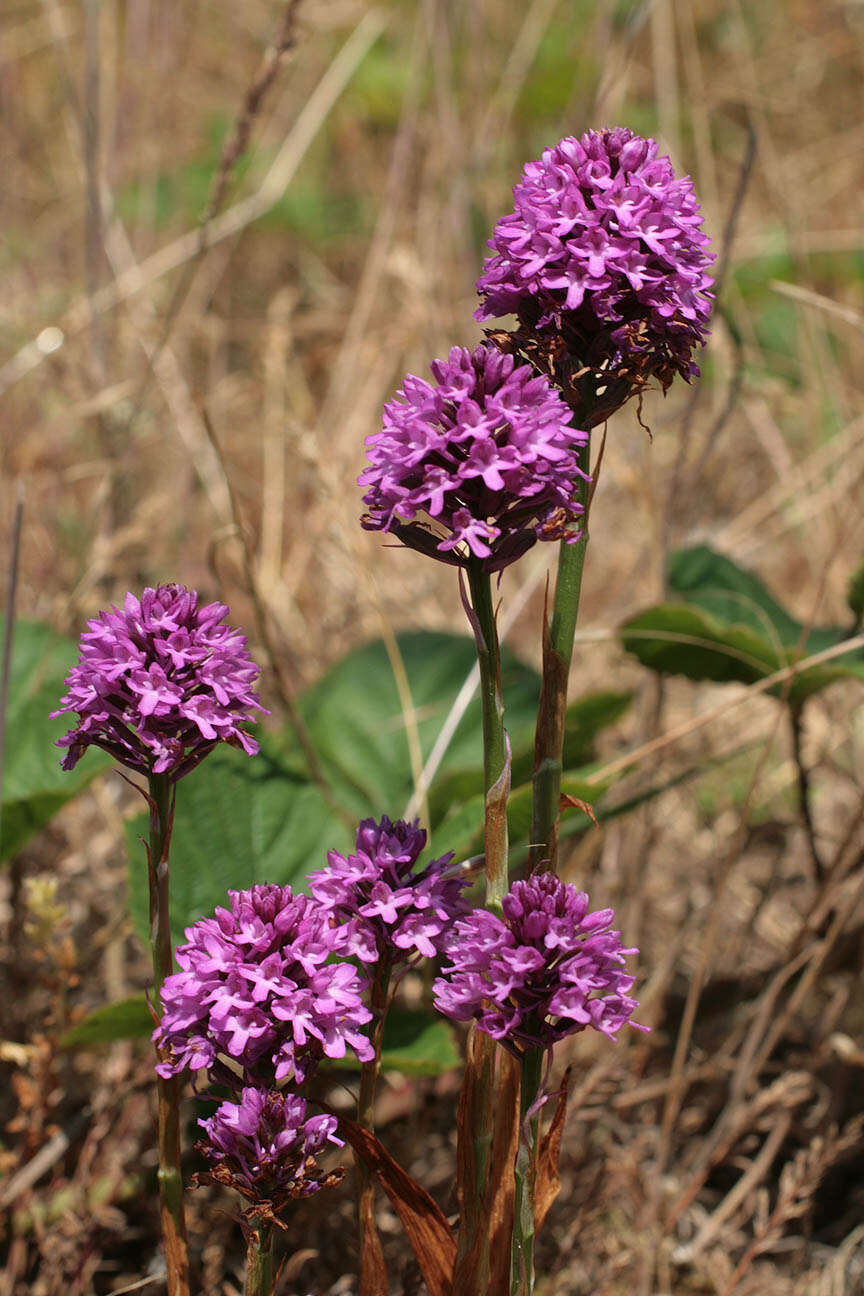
pixel 356 719
pixel 34 785
pixel 127 1019
pixel 680 639
pixel 732 594
pixel 731 629
pixel 418 1042
pixel 239 820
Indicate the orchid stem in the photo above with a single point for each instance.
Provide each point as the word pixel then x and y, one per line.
pixel 477 1109
pixel 495 756
pixel 173 1219
pixel 558 638
pixel 522 1264
pixel 259 1261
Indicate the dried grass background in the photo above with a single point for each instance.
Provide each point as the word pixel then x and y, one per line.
pixel 187 400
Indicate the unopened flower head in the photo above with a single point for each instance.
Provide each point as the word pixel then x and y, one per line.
pixel 265 1145
pixel 549 969
pixel 391 911
pixel 259 986
pixel 485 456
pixel 159 683
pixel 604 259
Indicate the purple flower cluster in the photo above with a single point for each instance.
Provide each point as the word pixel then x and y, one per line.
pixel 392 912
pixel 266 1146
pixel 257 984
pixel 548 970
pixel 159 683
pixel 604 248
pixel 486 452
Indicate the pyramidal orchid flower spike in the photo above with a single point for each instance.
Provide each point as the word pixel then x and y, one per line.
pixel 478 465
pixel 258 985
pixel 159 683
pixel 550 969
pixel 604 262
pixel 265 1145
pixel 391 910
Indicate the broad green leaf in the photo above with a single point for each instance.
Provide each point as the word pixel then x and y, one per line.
pixel 731 629
pixel 124 1020
pixel 681 639
pixel 34 785
pixel 453 789
pixel 239 820
pixel 736 596
pixel 356 719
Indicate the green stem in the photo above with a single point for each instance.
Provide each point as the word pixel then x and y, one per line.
pixel 371 1255
pixel 495 761
pixel 522 1263
pixel 477 1108
pixel 168 1091
pixel 551 714
pixel 259 1261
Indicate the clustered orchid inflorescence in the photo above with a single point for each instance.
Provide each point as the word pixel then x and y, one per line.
pixel 265 1146
pixel 159 683
pixel 486 453
pixel 604 263
pixel 550 968
pixel 258 984
pixel 391 911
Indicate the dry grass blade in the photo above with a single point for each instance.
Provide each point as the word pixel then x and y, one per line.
pixel 134 279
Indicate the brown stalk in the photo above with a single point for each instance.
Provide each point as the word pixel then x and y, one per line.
pixel 474 1130
pixel 505 1141
pixel 427 1230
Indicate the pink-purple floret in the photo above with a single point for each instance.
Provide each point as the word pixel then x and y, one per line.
pixel 391 911
pixel 486 452
pixel 159 683
pixel 602 232
pixel 549 969
pixel 266 1141
pixel 258 984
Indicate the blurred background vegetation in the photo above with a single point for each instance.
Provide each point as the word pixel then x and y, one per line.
pixel 188 401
